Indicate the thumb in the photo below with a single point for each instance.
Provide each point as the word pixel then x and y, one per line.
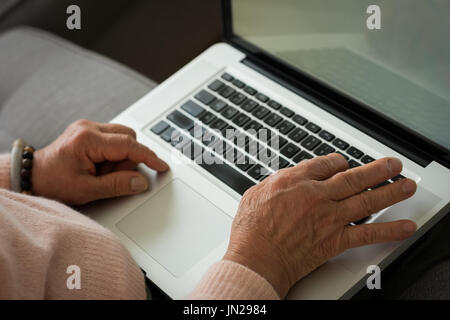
pixel 121 183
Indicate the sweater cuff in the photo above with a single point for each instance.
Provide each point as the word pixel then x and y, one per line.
pixel 5 174
pixel 228 280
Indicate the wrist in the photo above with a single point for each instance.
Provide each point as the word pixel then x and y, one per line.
pixel 269 266
pixel 38 174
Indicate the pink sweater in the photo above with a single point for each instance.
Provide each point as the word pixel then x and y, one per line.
pixel 40 239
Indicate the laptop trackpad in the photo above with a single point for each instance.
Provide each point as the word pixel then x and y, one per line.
pixel 177 227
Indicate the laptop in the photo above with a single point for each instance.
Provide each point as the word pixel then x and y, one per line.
pixel 292 80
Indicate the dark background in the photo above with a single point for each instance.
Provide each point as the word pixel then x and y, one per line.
pixel 154 37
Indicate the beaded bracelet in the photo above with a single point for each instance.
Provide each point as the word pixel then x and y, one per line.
pixel 21 165
pixel 27 166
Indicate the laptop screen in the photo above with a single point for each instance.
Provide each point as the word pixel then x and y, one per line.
pixel 393 57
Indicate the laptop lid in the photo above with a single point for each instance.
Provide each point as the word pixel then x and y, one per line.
pixel 392 83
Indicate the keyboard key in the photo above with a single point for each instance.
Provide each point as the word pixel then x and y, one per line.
pixel 207 118
pixel 278 163
pixel 277 142
pixel 265 155
pixel 285 127
pixel 238 98
pixel 216 85
pixel 218 124
pixel 265 134
pixel 228 175
pixel 299 119
pixel 311 142
pixel 229 112
pixel 180 141
pixel 367 159
pixel 250 90
pixel 249 105
pixel 242 140
pixel 298 134
pixel 169 133
pixel 396 178
pixel 324 149
pixel 192 108
pixel 353 164
pixel 238 83
pixel 325 135
pixel 302 156
pixel 229 131
pixel 218 105
pixel 227 77
pixel 313 127
pixel 210 139
pixel 227 92
pixel 273 119
pixel 344 155
pixel 355 153
pixel 233 155
pixel 261 112
pixel 287 112
pixel 244 163
pixel 261 97
pixel 340 144
pixel 181 120
pixel 253 147
pixel 290 150
pixel 221 148
pixel 253 126
pixel 274 105
pixel 198 132
pixel 205 97
pixel 192 150
pixel 159 127
pixel 241 120
pixel 257 172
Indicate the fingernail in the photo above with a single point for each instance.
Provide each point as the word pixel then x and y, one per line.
pixel 164 164
pixel 139 184
pixel 394 165
pixel 409 227
pixel 408 186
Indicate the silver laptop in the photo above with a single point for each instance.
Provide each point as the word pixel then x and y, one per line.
pixel 314 80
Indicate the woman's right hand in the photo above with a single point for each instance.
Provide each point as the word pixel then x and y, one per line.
pixel 297 219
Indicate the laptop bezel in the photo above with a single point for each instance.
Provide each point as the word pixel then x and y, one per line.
pixel 411 144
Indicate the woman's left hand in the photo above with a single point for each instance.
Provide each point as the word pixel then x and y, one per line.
pixel 92 161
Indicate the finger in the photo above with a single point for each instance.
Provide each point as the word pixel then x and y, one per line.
pixel 366 203
pixel 323 167
pixel 365 234
pixel 118 147
pixel 117 184
pixel 126 165
pixel 350 182
pixel 116 128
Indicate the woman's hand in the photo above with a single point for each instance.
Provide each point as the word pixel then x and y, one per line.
pixel 297 219
pixel 92 161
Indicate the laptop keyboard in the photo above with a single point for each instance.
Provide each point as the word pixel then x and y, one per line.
pixel 240 135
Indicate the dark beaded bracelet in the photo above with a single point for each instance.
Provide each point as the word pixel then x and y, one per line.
pixel 27 166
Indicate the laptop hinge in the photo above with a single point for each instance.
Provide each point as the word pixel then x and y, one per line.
pixel 334 106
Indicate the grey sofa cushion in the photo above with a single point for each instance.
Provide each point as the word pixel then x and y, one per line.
pixel 46 83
